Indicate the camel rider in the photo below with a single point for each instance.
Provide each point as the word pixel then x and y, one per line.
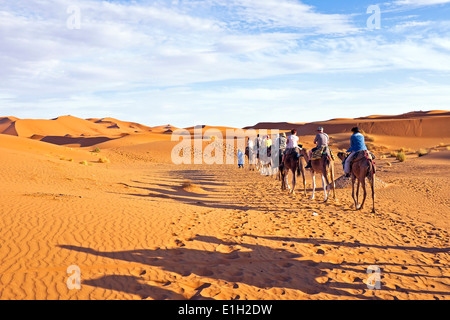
pixel 258 143
pixel 292 144
pixel 282 142
pixel 320 141
pixel 268 142
pixel 357 143
pixel 251 151
pixel 250 144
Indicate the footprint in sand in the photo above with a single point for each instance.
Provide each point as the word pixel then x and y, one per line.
pixel 139 272
pixel 178 243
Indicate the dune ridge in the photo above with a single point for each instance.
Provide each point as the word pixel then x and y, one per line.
pixel 415 124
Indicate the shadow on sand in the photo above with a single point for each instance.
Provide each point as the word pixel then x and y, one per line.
pixel 259 266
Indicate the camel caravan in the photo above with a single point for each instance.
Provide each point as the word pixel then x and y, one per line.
pixel 287 160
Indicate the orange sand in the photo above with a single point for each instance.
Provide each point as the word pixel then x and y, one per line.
pixel 140 227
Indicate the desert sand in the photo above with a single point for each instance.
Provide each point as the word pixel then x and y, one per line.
pixel 104 195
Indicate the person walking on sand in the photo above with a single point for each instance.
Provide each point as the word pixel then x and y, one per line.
pixel 321 140
pixel 357 143
pixel 240 156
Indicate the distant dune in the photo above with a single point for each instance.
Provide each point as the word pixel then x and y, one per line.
pixel 122 126
pixel 76 132
pixel 413 124
pixel 113 133
pixel 57 127
pixel 164 129
pixel 5 122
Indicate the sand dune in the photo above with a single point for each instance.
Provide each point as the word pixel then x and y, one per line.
pixel 56 127
pixel 140 227
pixel 167 129
pixel 438 158
pixel 416 124
pixel 69 126
pixel 410 115
pixel 5 122
pixel 122 126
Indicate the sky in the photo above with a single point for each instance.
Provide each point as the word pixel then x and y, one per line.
pixel 230 63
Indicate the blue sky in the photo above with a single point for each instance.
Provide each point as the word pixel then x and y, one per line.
pixel 233 63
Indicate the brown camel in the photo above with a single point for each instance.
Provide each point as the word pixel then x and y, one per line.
pixel 324 167
pixel 362 167
pixel 294 165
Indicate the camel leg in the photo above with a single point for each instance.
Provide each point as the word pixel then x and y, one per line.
pixel 363 185
pixel 304 181
pixel 275 172
pixel 357 194
pixel 333 184
pixel 372 185
pixel 286 181
pixel 325 188
pixel 302 171
pixel 353 192
pixel 294 181
pixel 313 186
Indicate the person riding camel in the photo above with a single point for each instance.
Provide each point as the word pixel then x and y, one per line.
pixel 321 140
pixel 292 144
pixel 357 143
pixel 250 151
pixel 268 141
pixel 282 141
pixel 258 142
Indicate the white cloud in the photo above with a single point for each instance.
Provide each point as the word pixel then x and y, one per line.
pixel 420 2
pixel 125 51
pixel 291 14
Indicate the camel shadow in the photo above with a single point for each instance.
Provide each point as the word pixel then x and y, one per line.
pixel 359 244
pixel 354 245
pixel 132 285
pixel 257 266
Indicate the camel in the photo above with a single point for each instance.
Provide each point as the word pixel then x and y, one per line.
pixel 251 158
pixel 362 167
pixel 265 158
pixel 296 166
pixel 324 167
